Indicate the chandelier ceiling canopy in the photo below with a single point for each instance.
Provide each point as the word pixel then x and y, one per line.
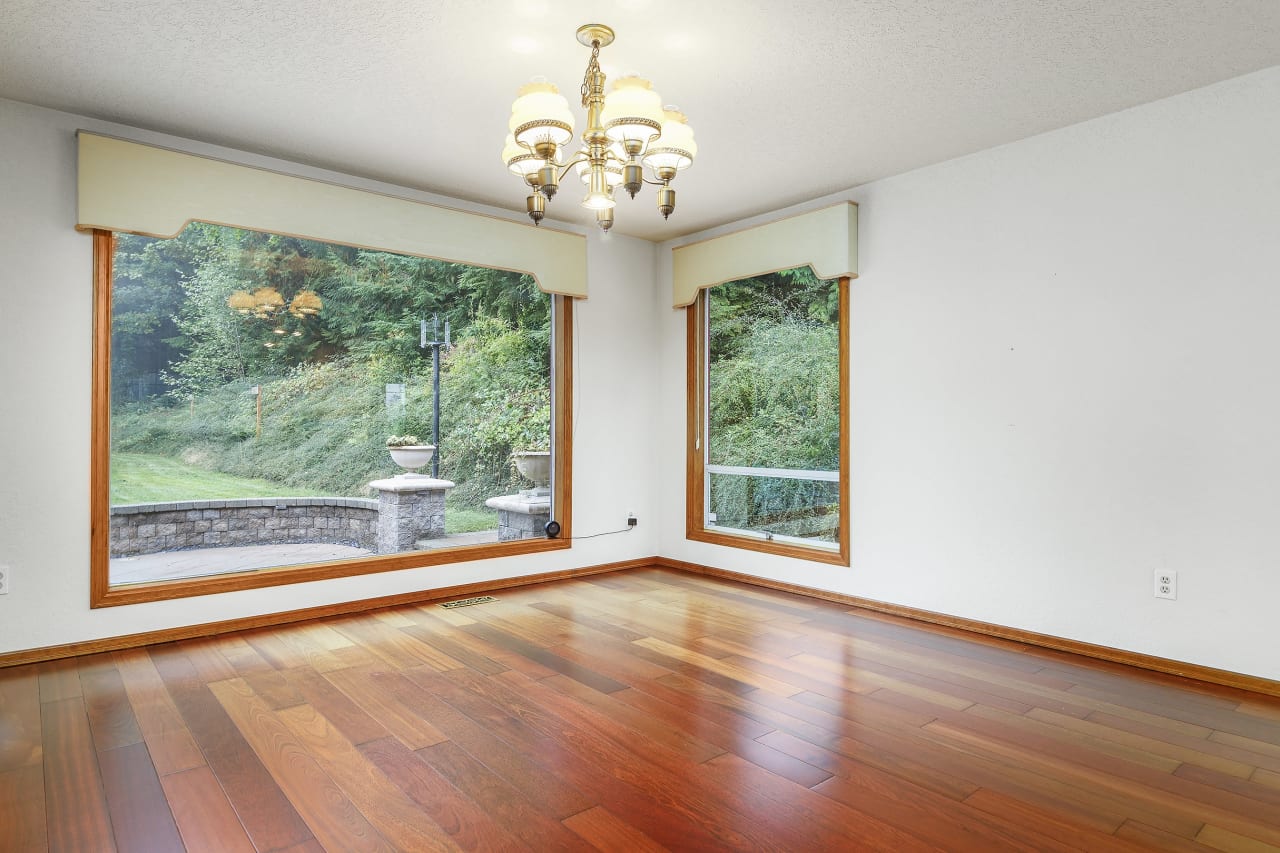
pixel 627 131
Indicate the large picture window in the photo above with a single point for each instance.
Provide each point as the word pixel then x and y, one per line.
pixel 270 409
pixel 768 373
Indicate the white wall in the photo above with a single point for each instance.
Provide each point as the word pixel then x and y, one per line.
pixel 1065 374
pixel 45 346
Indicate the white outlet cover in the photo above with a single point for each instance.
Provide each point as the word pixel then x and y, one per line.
pixel 1166 584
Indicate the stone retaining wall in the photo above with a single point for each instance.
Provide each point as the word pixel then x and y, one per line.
pixel 149 528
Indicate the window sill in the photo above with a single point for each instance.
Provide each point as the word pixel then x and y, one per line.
pixel 834 555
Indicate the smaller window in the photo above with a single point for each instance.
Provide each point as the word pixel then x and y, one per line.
pixel 768 416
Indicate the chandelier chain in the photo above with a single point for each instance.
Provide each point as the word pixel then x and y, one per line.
pixel 592 66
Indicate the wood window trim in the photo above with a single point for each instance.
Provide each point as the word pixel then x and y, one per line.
pixel 102 594
pixel 695 480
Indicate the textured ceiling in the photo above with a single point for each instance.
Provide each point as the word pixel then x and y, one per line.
pixel 789 100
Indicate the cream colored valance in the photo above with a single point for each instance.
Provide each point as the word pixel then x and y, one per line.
pixel 141 189
pixel 826 240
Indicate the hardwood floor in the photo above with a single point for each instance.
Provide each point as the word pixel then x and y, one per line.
pixel 641 710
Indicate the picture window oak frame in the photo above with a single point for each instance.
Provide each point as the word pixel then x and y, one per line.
pixel 695 468
pixel 103 594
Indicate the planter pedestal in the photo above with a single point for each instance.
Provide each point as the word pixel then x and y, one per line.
pixel 521 516
pixel 410 507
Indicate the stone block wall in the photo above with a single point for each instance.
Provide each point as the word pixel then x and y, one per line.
pixel 406 517
pixel 150 528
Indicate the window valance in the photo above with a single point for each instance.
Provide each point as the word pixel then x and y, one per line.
pixel 141 189
pixel 825 239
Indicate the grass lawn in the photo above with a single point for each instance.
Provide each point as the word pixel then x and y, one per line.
pixel 466 520
pixel 143 478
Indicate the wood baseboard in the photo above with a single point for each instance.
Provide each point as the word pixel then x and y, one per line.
pixel 1252 683
pixel 186 632
pixel 1226 678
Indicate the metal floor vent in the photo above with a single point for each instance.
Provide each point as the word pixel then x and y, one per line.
pixel 467 602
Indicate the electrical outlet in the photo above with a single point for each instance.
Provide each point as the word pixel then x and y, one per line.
pixel 632 521
pixel 1166 584
pixel 4 579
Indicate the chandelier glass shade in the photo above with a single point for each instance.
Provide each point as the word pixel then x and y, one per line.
pixel 626 131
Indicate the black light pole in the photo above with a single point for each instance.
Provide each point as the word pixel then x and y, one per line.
pixel 435 345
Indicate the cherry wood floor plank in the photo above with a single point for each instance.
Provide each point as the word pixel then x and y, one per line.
pixel 140 816
pixel 460 635
pixel 551 661
pixel 384 805
pixel 392 645
pixel 1242 787
pixel 467 825
pixel 1151 838
pixel 111 717
pixel 642 708
pixel 205 819
pixel 655 729
pixel 1174 812
pixel 263 809
pixel 59 679
pixel 468 657
pixel 75 807
pixel 22 809
pixel 499 800
pixel 601 626
pixel 935 819
pixel 242 657
pixel 1256 706
pixel 209 662
pixel 497 740
pixel 1266 777
pixel 386 695
pixel 1072 739
pixel 1155 746
pixel 20 737
pixel 324 651
pixel 271 646
pixel 1120 772
pixel 1022 820
pixel 336 822
pixel 726 739
pixel 1228 722
pixel 599 828
pixel 1239 750
pixel 801 818
pixel 168 740
pixel 274 688
pixel 614 658
pixel 1217 838
pixel 741 672
pixel 628 782
pixel 356 724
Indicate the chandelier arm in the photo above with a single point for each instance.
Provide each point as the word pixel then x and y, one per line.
pixel 568 166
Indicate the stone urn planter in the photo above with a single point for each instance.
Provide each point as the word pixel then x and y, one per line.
pixel 412 456
pixel 534 465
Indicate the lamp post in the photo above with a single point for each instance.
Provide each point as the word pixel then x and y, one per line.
pixel 435 346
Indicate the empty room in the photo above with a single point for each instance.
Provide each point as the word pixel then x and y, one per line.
pixel 638 425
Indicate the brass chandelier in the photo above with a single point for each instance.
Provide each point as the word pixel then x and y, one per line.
pixel 626 131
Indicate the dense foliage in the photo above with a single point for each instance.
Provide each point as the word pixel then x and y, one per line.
pixel 185 366
pixel 774 394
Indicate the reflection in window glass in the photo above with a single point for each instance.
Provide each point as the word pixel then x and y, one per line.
pixel 773 407
pixel 258 381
